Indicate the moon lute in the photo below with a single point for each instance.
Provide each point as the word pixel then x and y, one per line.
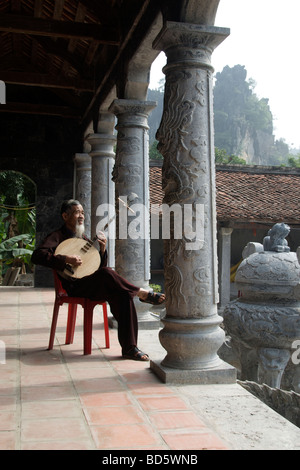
pixel 89 254
pixel 84 248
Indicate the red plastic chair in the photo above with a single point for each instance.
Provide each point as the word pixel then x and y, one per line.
pixel 88 305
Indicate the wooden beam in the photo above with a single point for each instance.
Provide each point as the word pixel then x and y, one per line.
pixel 58 9
pixel 38 7
pixel 40 109
pixel 47 81
pixel 58 48
pixel 20 24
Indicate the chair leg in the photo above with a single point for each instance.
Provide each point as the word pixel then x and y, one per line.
pixel 106 328
pixel 87 329
pixel 53 325
pixel 72 313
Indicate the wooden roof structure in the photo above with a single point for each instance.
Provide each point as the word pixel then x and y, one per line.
pixel 61 57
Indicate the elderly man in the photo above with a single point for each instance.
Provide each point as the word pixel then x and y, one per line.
pixel 104 284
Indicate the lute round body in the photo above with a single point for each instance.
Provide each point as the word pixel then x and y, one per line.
pixel 89 254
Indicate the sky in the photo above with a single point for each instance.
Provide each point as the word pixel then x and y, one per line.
pixel 264 37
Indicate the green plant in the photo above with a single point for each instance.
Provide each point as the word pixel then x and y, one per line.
pixel 155 287
pixel 222 157
pixel 12 253
pixel 17 220
pixel 154 154
pixel 294 160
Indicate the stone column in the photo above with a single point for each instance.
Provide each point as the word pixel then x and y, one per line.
pixel 102 153
pixel 82 192
pixel 191 333
pixel 131 177
pixel 224 265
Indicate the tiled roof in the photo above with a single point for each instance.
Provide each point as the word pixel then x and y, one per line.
pixel 156 192
pixel 250 194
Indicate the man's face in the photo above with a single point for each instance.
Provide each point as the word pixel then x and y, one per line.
pixel 74 217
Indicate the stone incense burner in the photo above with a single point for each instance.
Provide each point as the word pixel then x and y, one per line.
pixel 264 321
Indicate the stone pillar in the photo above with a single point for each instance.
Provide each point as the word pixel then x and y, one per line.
pixel 191 333
pixel 131 177
pixel 82 188
pixel 102 153
pixel 224 265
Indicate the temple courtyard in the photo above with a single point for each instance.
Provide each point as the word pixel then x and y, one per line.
pixel 63 400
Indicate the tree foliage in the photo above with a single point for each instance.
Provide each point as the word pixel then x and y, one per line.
pixel 221 156
pixel 154 154
pixel 16 187
pixel 17 220
pixel 294 160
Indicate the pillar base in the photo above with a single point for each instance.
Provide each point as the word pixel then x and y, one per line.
pixel 222 374
pixel 150 323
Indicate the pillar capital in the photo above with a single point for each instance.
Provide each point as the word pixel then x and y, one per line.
pixel 106 122
pixel 190 44
pixel 132 113
pixel 226 231
pixel 102 145
pixel 82 161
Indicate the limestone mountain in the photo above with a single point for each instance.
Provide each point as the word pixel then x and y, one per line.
pixel 243 122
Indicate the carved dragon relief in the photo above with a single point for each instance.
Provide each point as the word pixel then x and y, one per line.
pixel 173 274
pixel 174 285
pixel 184 163
pixel 176 119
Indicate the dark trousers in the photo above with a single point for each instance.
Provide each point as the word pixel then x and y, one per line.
pixel 106 285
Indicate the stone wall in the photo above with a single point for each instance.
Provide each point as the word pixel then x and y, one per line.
pixel 42 148
pixel 284 402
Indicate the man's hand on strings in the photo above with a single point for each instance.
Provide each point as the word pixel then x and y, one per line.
pixel 74 260
pixel 102 242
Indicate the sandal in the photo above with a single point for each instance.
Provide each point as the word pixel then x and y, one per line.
pixel 136 355
pixel 153 298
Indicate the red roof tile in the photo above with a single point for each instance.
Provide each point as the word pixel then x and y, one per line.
pixel 249 194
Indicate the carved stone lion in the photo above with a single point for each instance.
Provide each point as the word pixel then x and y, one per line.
pixel 275 241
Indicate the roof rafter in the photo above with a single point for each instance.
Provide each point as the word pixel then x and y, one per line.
pixel 46 80
pixel 46 110
pixel 77 50
pixel 53 28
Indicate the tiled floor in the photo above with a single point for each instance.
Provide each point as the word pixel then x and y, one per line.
pixel 61 399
